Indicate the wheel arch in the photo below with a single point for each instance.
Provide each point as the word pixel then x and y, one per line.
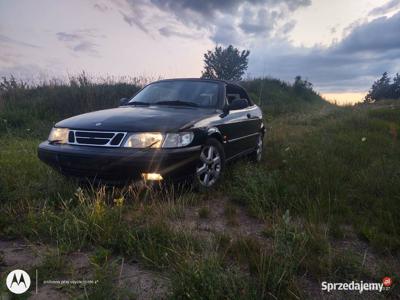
pixel 214 132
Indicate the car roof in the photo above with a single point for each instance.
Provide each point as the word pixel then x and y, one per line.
pixel 200 79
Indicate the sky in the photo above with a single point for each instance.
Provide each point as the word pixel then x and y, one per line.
pixel 340 46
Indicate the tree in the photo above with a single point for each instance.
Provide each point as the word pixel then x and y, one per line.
pixel 395 87
pixel 381 89
pixel 300 84
pixel 225 63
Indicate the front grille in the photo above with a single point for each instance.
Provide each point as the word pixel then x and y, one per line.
pixel 96 138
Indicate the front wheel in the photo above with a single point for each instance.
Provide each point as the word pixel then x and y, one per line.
pixel 210 165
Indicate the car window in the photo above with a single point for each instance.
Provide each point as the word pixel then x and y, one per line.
pixel 202 94
pixel 231 97
pixel 234 91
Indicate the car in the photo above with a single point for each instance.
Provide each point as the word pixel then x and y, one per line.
pixel 171 129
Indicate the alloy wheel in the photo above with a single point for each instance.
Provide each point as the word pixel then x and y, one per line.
pixel 259 148
pixel 209 168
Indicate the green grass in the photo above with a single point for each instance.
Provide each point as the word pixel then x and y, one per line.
pixel 344 171
pixel 330 177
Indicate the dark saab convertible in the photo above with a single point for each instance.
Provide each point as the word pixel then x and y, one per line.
pixel 171 129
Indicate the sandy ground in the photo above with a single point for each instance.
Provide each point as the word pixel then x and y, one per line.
pixel 144 284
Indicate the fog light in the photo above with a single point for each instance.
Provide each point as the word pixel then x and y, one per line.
pixel 152 176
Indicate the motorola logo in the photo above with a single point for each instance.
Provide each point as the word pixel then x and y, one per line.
pixel 18 281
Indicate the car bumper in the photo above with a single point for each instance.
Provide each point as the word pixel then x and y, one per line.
pixel 119 164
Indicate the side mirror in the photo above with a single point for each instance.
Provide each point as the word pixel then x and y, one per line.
pixel 238 104
pixel 123 101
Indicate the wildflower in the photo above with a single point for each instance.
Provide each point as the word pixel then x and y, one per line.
pixel 119 201
pixel 363 139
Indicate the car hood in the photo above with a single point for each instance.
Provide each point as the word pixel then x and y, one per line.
pixel 137 119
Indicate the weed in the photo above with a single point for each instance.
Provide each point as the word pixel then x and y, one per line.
pixel 208 279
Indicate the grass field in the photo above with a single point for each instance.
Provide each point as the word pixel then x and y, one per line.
pixel 323 205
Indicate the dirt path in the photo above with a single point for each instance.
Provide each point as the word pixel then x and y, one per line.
pixel 223 217
pixel 17 254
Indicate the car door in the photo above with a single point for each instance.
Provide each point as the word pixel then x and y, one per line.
pixel 240 127
pixel 252 123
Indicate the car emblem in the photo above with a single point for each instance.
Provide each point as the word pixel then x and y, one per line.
pixel 98 124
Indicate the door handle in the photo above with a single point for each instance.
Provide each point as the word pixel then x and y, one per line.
pixel 249 116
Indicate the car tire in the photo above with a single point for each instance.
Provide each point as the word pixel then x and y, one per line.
pixel 256 155
pixel 210 165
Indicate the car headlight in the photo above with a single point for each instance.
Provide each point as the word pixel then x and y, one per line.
pixel 59 135
pixel 175 140
pixel 144 140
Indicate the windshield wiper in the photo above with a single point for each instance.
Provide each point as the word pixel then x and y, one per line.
pixel 177 102
pixel 138 103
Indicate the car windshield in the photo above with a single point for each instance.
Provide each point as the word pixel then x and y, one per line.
pixel 184 93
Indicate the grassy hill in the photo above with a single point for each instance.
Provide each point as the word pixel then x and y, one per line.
pixel 323 205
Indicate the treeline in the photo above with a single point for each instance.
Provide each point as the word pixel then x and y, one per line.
pixel 384 88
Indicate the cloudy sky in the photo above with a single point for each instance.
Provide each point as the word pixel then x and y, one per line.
pixel 341 46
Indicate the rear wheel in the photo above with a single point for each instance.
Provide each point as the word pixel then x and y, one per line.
pixel 256 156
pixel 210 165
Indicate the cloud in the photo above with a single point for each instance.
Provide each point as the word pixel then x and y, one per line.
pixel 225 33
pixel 349 65
pixel 232 19
pixel 85 46
pixel 101 7
pixel 68 37
pixel 381 34
pixel 295 4
pixel 7 40
pixel 389 7
pixel 170 31
pixel 80 40
pixel 225 21
pixel 134 20
pixel 258 21
pixel 207 8
pixel 287 28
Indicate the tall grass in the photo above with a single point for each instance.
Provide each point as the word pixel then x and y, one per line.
pixel 278 97
pixel 38 107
